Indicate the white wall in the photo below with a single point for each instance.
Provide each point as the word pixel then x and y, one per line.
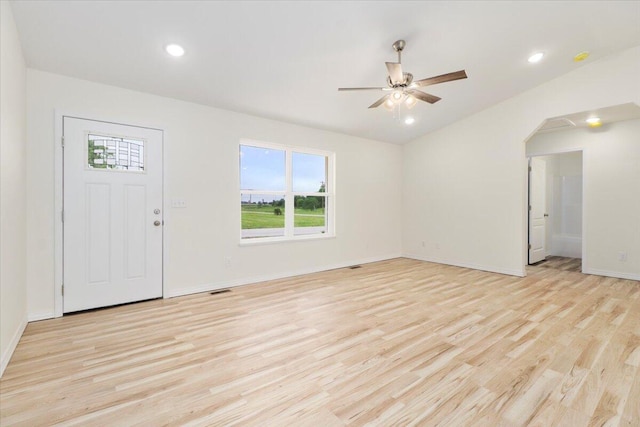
pixel 465 185
pixel 13 290
pixel 611 192
pixel 201 158
pixel 563 204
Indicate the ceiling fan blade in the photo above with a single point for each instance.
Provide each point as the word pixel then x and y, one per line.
pixel 457 75
pixel 395 72
pixel 426 97
pixel 379 102
pixel 361 88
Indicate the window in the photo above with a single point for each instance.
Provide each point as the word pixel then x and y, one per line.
pixel 285 192
pixel 109 152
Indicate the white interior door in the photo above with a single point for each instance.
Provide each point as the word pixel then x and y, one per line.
pixel 112 214
pixel 537 209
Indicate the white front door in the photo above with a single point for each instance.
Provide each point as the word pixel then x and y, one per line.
pixel 112 214
pixel 537 209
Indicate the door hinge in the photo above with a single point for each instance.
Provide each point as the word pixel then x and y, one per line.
pixel 62 215
pixel 529 207
pixel 529 167
pixel 63 289
pixel 529 245
pixel 62 140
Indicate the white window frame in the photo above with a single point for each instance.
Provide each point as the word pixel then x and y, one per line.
pixel 288 194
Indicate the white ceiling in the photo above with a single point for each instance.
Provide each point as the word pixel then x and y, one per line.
pixel 285 60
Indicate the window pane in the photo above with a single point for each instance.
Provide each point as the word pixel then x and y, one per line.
pixel 262 215
pixel 310 215
pixel 262 169
pixel 112 153
pixel 309 173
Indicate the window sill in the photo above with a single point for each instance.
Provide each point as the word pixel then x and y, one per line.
pixel 271 240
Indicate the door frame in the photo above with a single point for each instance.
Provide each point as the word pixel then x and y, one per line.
pixel 584 211
pixel 59 116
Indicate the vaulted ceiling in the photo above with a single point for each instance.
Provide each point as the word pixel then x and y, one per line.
pixel 285 60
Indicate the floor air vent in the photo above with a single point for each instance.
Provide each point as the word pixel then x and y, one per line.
pixel 220 291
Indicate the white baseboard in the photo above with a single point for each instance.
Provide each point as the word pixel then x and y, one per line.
pixel 6 356
pixel 206 287
pixel 511 272
pixel 616 274
pixel 41 316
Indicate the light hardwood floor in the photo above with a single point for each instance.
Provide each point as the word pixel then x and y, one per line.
pixel 400 342
pixel 562 263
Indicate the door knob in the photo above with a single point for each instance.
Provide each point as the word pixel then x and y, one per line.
pixel 156 223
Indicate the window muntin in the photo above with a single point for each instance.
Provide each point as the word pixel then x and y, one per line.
pixel 106 152
pixel 300 207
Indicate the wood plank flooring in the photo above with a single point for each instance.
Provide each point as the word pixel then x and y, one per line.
pixel 562 263
pixel 399 342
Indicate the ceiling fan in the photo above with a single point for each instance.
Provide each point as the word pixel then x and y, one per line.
pixel 401 87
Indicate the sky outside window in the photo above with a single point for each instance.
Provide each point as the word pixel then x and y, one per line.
pixel 264 169
pixel 309 172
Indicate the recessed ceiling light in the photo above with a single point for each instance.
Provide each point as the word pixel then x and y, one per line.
pixel 174 50
pixel 594 122
pixel 409 121
pixel 581 56
pixel 536 57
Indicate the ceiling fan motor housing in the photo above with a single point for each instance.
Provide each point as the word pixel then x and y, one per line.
pixel 408 78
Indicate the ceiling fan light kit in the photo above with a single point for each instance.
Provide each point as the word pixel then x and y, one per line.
pixel 404 91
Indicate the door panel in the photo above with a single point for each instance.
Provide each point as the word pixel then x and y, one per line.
pixel 135 231
pixel 112 191
pixel 97 233
pixel 537 209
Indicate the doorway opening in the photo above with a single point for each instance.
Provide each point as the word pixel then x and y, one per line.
pixel 607 237
pixel 556 209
